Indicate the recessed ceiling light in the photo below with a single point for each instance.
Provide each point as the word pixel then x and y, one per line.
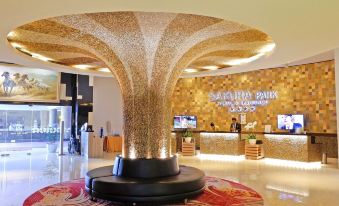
pixel 16 45
pixel 267 48
pixel 190 70
pixel 82 66
pixel 104 70
pixel 11 34
pixel 243 61
pixel 24 50
pixel 212 67
pixel 41 57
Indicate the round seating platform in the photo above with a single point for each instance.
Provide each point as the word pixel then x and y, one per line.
pixel 101 183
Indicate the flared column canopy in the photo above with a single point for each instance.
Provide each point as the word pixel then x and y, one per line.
pixel 146 52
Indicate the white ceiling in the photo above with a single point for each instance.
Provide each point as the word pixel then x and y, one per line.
pixel 300 29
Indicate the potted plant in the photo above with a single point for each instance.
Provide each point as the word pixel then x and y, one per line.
pixel 187 135
pixel 52 144
pixel 252 139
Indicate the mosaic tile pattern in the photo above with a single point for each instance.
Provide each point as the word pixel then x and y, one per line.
pixel 146 52
pixel 291 147
pixel 173 143
pixel 221 143
pixel 306 89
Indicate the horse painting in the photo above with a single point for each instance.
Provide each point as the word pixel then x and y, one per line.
pixel 29 85
pixel 8 84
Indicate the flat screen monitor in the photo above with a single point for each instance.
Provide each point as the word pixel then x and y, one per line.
pixel 290 121
pixel 185 121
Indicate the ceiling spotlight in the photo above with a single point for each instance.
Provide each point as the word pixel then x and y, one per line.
pixel 82 66
pixel 190 70
pixel 243 61
pixel 104 70
pixel 16 45
pixel 24 50
pixel 11 34
pixel 267 48
pixel 212 67
pixel 41 57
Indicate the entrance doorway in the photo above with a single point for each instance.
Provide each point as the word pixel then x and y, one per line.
pixel 31 127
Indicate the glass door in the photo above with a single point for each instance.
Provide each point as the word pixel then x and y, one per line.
pixel 34 128
pixel 19 130
pixel 3 132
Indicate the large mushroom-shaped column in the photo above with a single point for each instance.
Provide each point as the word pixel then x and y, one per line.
pixel 146 52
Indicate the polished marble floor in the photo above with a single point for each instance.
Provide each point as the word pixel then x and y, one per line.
pixel 280 183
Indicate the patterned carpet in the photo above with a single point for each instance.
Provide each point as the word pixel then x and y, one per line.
pixel 218 192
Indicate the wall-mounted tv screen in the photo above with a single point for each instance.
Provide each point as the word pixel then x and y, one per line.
pixel 185 121
pixel 290 121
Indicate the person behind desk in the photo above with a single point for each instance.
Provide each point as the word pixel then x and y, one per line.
pixel 235 126
pixel 214 127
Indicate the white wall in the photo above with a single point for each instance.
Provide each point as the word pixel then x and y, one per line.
pixel 107 104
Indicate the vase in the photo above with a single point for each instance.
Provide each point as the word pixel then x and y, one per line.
pixel 252 141
pixel 188 139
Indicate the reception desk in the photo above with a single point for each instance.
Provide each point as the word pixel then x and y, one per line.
pixel 285 146
pixel 223 143
pixel 297 147
pixel 210 142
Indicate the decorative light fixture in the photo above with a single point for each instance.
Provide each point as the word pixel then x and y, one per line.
pixel 82 66
pixel 267 48
pixel 189 70
pixel 11 34
pixel 24 50
pixel 163 153
pixel 212 67
pixel 244 61
pixel 41 57
pixel 261 52
pixel 104 70
pixel 16 45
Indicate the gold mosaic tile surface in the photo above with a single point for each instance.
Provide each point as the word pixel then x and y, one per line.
pixel 147 53
pixel 223 144
pixel 297 148
pixel 305 89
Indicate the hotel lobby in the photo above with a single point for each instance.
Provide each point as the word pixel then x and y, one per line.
pixel 114 102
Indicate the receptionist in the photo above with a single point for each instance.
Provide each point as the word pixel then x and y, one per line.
pixel 235 126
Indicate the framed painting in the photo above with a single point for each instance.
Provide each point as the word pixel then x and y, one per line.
pixel 29 84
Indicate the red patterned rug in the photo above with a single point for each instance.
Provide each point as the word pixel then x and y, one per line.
pixel 218 192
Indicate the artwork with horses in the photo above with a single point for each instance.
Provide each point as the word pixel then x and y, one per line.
pixel 29 85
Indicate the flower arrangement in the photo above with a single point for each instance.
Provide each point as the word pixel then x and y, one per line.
pixel 187 135
pixel 251 136
pixel 252 139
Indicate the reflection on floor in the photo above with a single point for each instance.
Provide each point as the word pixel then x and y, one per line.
pixel 280 183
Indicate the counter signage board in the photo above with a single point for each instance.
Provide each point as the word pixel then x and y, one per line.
pixel 243 101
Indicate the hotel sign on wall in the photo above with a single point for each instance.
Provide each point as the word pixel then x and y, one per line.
pixel 242 101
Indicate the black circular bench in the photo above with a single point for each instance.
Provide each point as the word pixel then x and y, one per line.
pixel 146 180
